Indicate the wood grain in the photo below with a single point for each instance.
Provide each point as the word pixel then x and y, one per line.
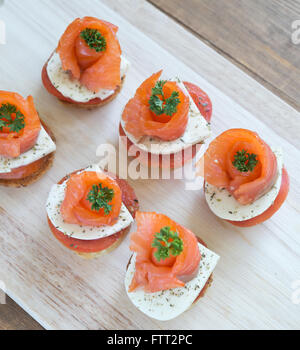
pixel 253 34
pixel 252 284
pixel 13 317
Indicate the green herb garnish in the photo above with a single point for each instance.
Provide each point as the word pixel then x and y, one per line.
pixel 244 161
pixel 167 242
pixel 6 120
pixel 100 197
pixel 163 105
pixel 94 39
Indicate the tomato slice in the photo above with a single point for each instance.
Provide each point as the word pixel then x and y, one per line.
pixel 201 100
pixel 128 196
pixel 53 91
pixel 282 194
pixel 208 282
pixel 85 246
pixel 24 171
pixel 91 246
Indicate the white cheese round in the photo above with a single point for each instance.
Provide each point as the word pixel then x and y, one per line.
pixel 55 199
pixel 197 131
pixel 225 206
pixel 73 88
pixel 170 303
pixel 43 146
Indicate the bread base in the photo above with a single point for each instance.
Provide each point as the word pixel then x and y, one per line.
pixel 46 165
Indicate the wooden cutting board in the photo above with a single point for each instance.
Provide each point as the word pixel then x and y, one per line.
pixel 253 282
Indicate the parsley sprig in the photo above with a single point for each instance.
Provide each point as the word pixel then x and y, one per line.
pixel 167 242
pixel 163 105
pixel 244 161
pixel 94 39
pixel 99 197
pixel 15 124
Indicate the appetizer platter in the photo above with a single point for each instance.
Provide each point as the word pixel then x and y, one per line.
pixel 221 252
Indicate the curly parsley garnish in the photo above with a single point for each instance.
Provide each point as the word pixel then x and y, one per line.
pixel 99 197
pixel 167 242
pixel 163 105
pixel 11 118
pixel 94 39
pixel 244 161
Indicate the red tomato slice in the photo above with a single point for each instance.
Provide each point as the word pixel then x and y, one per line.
pixel 53 91
pixel 282 194
pixel 201 100
pixel 203 290
pixel 91 246
pixel 85 246
pixel 23 171
pixel 180 158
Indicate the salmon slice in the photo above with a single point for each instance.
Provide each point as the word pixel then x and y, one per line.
pixel 219 170
pixel 95 70
pixel 13 144
pixel 76 209
pixel 140 120
pixel 175 271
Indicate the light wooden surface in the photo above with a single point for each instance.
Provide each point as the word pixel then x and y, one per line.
pixel 252 286
pixel 253 34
